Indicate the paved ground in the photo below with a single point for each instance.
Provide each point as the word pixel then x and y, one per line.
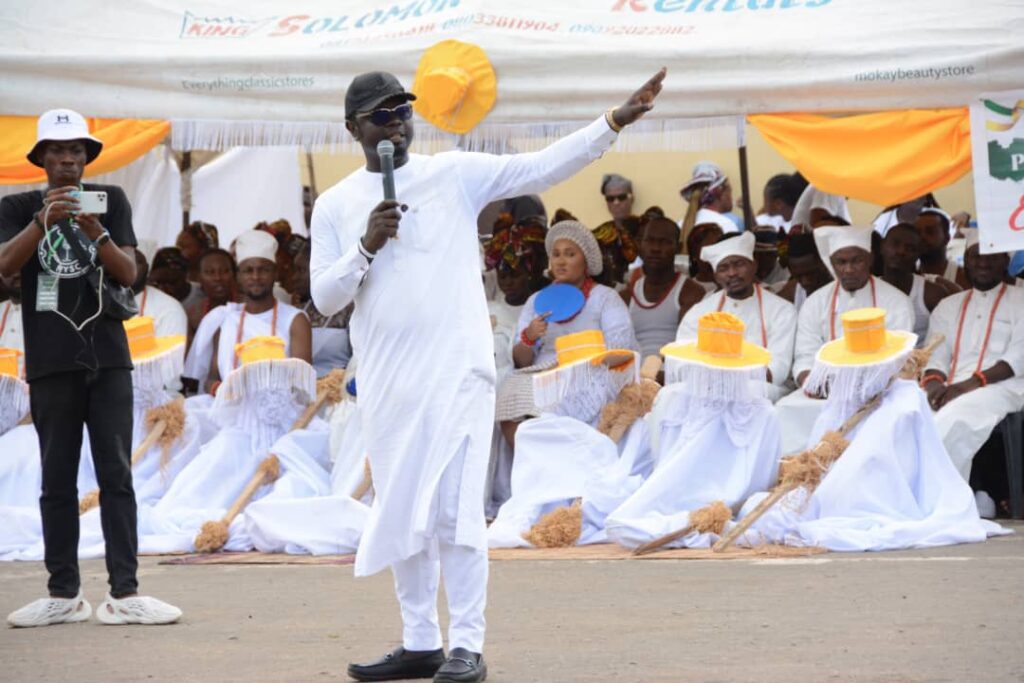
pixel 950 614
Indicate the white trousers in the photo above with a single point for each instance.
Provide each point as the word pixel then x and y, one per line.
pixel 966 423
pixel 465 579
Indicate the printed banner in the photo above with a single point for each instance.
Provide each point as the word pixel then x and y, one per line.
pixel 997 144
pixel 264 60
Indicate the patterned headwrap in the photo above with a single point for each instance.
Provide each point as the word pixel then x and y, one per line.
pixel 608 235
pixel 517 244
pixel 204 233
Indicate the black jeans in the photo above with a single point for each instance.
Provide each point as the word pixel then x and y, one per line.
pixel 61 404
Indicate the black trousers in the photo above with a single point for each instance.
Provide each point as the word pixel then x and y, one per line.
pixel 61 404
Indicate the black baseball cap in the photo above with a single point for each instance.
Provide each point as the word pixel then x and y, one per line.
pixel 368 90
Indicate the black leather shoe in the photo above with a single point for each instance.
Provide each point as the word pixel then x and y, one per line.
pixel 462 666
pixel 399 665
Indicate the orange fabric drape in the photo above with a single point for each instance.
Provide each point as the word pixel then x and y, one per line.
pixel 124 141
pixel 885 158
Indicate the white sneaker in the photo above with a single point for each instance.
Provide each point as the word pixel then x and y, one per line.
pixel 47 611
pixel 137 609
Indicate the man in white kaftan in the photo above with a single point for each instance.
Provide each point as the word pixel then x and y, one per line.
pixel 975 376
pixel 847 253
pixel 422 333
pixel 770 320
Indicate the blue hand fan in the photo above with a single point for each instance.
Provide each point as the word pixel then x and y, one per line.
pixel 561 300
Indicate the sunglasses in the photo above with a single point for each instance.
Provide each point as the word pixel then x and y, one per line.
pixel 616 197
pixel 382 116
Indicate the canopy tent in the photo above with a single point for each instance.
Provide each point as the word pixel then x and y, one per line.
pixel 228 74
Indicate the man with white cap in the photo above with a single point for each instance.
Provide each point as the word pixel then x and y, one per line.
pixel 976 376
pixel 78 367
pixel 770 320
pixel 422 334
pixel 260 313
pixel 846 252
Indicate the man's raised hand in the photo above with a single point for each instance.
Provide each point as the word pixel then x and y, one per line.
pixel 640 102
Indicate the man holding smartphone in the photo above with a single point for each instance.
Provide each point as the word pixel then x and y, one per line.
pixel 78 368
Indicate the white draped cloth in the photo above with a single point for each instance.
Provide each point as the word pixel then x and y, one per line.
pixel 707 451
pixel 816 326
pixel 421 330
pixel 778 318
pixel 967 422
pixel 888 491
pixel 168 315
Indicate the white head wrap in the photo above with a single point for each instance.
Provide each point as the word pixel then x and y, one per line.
pixel 831 238
pixel 813 198
pixel 719 219
pixel 734 246
pixel 255 244
pixel 578 234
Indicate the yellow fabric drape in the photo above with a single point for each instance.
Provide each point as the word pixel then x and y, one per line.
pixel 885 158
pixel 124 141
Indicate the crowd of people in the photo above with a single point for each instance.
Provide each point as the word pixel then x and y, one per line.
pixel 636 286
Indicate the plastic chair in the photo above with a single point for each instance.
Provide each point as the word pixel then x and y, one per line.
pixel 1012 428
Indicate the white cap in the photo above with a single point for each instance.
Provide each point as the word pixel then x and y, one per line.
pixel 971 236
pixel 719 219
pixel 734 246
pixel 831 238
pixel 59 125
pixel 813 198
pixel 255 244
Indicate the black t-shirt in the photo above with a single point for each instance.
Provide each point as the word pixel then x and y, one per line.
pixel 52 344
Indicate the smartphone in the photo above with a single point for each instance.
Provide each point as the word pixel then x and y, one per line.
pixel 92 202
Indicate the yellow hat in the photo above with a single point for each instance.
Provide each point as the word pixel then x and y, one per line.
pixel 589 346
pixel 865 340
pixel 720 344
pixel 9 361
pixel 260 348
pixel 455 86
pixel 144 345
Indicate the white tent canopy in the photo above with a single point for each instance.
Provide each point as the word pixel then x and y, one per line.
pixel 266 73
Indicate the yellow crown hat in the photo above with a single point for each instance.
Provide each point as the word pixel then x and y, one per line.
pixel 144 345
pixel 720 344
pixel 865 341
pixel 255 349
pixel 455 86
pixel 581 356
pixel 9 361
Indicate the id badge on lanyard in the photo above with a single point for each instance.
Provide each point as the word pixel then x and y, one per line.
pixel 47 292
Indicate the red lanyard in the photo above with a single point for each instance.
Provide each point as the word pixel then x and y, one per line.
pixel 760 308
pixel 960 332
pixel 241 329
pixel 835 295
pixel 663 296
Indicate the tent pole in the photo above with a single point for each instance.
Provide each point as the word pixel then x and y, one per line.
pixel 748 212
pixel 186 181
pixel 312 177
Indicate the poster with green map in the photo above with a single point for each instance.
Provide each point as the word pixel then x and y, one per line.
pixel 997 142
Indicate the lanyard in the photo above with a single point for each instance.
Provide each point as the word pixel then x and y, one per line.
pixel 760 308
pixel 960 332
pixel 832 308
pixel 145 294
pixel 241 329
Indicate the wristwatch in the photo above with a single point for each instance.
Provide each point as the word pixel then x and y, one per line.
pixel 102 239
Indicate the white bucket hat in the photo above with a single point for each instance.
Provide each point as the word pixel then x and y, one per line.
pixel 58 125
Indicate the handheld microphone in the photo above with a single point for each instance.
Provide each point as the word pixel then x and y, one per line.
pixel 386 152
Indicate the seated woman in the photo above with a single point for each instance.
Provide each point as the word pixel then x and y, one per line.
pixel 701 271
pixel 193 241
pixel 618 251
pixel 217 272
pixel 575 259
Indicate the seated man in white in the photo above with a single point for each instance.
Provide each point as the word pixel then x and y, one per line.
pixel 975 377
pixel 892 486
pixel 769 320
pixel 557 453
pixel 847 253
pixel 253 408
pixel 718 437
pixel 167 312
